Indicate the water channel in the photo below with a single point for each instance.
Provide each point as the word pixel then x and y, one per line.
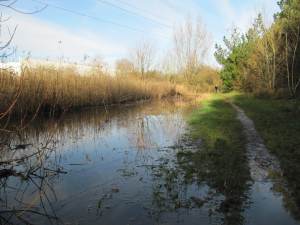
pixel 119 166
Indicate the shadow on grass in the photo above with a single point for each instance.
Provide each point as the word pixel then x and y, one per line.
pixel 217 166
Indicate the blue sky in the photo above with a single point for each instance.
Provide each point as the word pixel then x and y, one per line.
pixel 111 33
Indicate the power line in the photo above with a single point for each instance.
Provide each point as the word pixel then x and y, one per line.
pixel 139 9
pixel 133 13
pixel 94 17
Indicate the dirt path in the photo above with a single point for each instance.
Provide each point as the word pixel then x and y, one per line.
pixel 261 162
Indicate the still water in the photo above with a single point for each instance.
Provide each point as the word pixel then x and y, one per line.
pixel 119 167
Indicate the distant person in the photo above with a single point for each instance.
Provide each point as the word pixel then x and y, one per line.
pixel 216 89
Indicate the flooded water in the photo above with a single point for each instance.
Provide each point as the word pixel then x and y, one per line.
pixel 121 167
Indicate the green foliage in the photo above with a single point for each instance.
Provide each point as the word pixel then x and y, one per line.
pixel 264 60
pixel 290 13
pixel 232 56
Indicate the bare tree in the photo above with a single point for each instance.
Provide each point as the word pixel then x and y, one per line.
pixel 291 57
pixel 269 52
pixel 190 46
pixel 268 46
pixel 168 63
pixel 124 67
pixel 5 49
pixel 143 57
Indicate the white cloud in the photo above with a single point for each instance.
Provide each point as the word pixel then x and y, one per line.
pixel 42 39
pixel 243 17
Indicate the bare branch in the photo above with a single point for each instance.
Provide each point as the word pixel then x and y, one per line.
pixel 11 6
pixel 10 39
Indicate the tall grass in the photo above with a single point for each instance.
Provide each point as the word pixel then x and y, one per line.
pixel 48 88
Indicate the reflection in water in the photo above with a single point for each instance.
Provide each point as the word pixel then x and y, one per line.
pixel 215 181
pixel 84 158
pixel 132 165
pixel 26 176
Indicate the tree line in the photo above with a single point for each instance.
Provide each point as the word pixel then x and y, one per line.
pixel 264 60
pixel 183 63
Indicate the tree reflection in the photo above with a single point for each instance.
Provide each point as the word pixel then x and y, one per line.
pixel 33 161
pixel 28 169
pixel 26 183
pixel 215 181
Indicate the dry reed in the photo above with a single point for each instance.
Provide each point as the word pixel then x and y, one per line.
pixel 48 88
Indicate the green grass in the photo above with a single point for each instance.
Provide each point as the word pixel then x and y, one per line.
pixel 216 120
pixel 221 161
pixel 278 122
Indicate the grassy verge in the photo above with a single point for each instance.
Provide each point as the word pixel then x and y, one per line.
pixel 221 161
pixel 216 120
pixel 278 122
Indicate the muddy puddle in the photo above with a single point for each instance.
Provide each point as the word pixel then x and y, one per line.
pixel 124 166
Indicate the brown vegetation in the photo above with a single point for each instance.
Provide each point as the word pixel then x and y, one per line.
pixel 53 89
pixel 57 89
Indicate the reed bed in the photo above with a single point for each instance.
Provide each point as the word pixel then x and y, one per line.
pixel 52 89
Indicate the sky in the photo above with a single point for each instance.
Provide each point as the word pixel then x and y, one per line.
pixel 110 29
